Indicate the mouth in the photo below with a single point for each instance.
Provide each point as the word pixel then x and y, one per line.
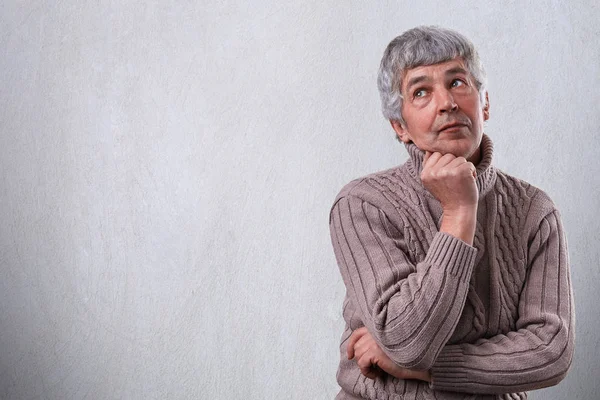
pixel 453 126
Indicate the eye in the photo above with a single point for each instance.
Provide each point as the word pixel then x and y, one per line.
pixel 419 93
pixel 457 83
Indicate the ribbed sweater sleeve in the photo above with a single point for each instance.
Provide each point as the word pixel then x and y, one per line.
pixel 410 310
pixel 539 352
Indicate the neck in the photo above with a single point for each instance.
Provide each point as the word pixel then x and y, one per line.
pixel 475 158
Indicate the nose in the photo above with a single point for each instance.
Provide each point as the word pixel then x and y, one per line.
pixel 446 102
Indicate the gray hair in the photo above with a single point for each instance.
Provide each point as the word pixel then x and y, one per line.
pixel 423 45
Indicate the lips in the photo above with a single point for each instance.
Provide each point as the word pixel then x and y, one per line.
pixel 452 125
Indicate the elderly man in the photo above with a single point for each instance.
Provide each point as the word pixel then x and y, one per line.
pixel 457 274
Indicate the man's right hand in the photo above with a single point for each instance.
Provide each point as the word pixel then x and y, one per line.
pixel 372 361
pixel 451 180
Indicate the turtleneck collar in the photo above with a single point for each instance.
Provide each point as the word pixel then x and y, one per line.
pixel 486 173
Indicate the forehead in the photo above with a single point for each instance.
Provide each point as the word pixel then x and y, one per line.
pixel 432 72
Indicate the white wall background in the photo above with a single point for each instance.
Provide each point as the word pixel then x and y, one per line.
pixel 167 168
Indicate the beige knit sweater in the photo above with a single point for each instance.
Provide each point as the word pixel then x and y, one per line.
pixel 490 321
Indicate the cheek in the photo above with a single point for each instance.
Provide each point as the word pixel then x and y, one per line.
pixel 476 113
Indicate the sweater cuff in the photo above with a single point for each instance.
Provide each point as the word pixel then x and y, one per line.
pixel 446 371
pixel 450 251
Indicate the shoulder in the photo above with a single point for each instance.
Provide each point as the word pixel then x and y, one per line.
pixel 523 189
pixel 372 187
pixel 383 189
pixel 532 202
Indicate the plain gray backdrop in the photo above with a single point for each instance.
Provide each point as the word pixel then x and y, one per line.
pixel 167 169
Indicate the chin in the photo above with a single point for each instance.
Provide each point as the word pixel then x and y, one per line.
pixel 465 148
pixel 460 151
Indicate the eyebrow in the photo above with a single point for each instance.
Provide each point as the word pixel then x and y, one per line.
pixel 456 70
pixel 424 78
pixel 416 80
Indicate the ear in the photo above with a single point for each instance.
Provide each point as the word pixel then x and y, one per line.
pixel 401 131
pixel 486 108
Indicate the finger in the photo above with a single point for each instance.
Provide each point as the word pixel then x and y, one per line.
pixel 362 345
pixel 365 365
pixel 356 335
pixel 432 159
pixel 445 160
pixel 458 161
pixel 372 374
pixel 473 169
pixel 427 155
pixel 370 370
pixel 469 168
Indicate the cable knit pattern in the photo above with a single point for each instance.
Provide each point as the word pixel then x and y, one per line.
pixel 490 320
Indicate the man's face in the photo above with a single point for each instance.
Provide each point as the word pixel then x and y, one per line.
pixel 442 110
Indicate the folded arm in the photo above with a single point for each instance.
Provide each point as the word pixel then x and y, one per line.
pixel 411 310
pixel 538 353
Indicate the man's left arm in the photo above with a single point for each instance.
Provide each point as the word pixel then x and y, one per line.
pixel 539 353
